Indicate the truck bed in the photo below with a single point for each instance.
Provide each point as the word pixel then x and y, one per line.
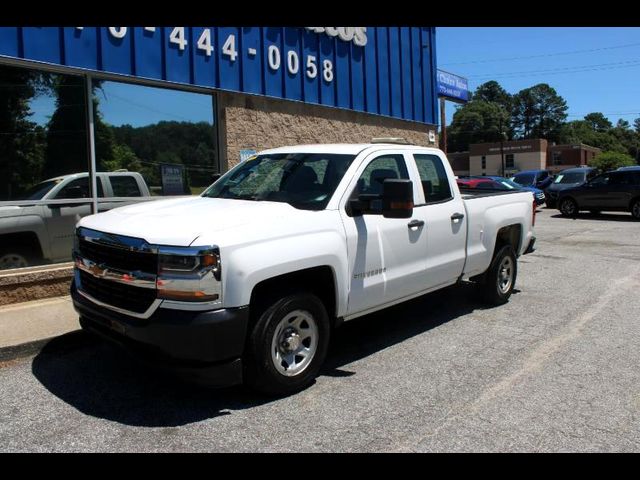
pixel 471 193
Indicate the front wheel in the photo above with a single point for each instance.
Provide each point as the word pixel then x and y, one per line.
pixel 13 259
pixel 500 279
pixel 287 345
pixel 569 207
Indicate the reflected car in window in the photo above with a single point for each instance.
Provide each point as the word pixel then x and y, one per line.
pixel 41 233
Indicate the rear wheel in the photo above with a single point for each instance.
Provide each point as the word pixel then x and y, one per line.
pixel 287 345
pixel 635 209
pixel 500 279
pixel 568 207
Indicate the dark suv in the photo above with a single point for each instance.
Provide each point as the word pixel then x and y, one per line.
pixel 614 191
pixel 569 178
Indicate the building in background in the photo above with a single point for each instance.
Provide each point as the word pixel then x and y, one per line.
pixel 519 155
pixel 177 105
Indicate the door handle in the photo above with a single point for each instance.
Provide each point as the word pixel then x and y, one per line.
pixel 415 223
pixel 457 216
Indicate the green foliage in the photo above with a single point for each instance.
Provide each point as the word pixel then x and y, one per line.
pixel 538 112
pixel 476 122
pixel 611 160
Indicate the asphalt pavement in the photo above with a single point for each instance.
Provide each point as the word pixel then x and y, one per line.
pixel 556 369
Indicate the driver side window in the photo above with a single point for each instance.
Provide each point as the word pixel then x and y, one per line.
pixel 379 169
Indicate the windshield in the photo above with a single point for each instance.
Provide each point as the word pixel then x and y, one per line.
pixel 571 177
pixel 303 180
pixel 525 179
pixel 39 190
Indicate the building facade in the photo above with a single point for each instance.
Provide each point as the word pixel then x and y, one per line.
pixel 510 157
pixel 96 117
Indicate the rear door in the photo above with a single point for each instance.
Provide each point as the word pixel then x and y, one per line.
pixel 446 224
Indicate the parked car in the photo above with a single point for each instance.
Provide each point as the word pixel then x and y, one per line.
pixel 42 233
pixel 568 178
pixel 534 178
pixel 245 283
pixel 612 191
pixel 491 182
pixel 538 194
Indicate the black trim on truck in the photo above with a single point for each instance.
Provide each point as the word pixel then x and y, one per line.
pixel 202 347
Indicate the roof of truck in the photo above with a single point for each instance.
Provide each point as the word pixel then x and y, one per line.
pixel 343 148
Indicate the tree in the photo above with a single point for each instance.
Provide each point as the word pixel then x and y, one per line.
pixel 636 125
pixel 477 122
pixel 598 122
pixel 539 112
pixel 611 160
pixel 491 91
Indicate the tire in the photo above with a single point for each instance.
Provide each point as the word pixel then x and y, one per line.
pixel 568 207
pixel 635 209
pixel 14 258
pixel 500 279
pixel 295 323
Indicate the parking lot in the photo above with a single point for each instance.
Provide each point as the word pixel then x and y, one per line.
pixel 556 369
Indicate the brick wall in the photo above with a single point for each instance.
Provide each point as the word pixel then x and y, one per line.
pixel 249 122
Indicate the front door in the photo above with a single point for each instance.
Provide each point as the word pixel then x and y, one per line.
pixel 387 256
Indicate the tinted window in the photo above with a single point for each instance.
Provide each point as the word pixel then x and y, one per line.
pixel 571 177
pixel 124 186
pixel 600 180
pixel 433 178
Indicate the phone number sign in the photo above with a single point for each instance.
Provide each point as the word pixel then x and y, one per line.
pixel 384 70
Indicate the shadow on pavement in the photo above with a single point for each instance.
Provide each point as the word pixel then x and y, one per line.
pixel 612 217
pixel 103 381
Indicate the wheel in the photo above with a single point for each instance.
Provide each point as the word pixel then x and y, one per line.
pixel 13 259
pixel 568 207
pixel 500 278
pixel 635 209
pixel 287 345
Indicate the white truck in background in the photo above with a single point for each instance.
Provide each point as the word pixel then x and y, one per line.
pixel 43 233
pixel 246 282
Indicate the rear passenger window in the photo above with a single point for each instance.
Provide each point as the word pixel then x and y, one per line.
pixel 124 186
pixel 433 177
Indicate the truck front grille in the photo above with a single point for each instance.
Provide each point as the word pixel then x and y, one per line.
pixel 119 258
pixel 127 297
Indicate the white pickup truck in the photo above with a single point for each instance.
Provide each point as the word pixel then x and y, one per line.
pixel 246 282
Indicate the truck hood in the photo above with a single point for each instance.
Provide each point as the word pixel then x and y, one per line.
pixel 181 221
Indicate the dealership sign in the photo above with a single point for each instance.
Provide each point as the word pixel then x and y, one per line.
pixel 453 87
pixel 388 71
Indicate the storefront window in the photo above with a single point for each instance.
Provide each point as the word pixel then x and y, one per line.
pixel 152 142
pixel 149 142
pixel 44 165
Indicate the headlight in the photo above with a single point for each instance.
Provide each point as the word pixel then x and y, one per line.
pixel 189 274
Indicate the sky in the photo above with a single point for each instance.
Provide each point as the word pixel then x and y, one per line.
pixel 594 69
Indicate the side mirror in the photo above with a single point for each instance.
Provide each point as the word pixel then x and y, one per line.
pixel 397 198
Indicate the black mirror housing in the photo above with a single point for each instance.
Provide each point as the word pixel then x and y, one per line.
pixel 397 198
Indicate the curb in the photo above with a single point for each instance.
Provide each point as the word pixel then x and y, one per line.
pixel 14 352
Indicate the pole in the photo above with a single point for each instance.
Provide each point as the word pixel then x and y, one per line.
pixel 502 148
pixel 92 144
pixel 443 123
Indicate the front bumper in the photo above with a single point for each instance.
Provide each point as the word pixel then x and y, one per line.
pixel 200 346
